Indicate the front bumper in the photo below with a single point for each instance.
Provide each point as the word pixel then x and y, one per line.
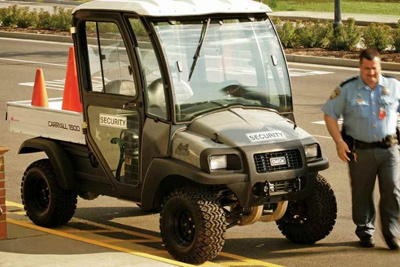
pixel 278 186
pixel 318 165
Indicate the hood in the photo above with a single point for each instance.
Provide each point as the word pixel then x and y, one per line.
pixel 240 127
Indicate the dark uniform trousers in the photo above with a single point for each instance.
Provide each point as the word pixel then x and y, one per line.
pixel 372 162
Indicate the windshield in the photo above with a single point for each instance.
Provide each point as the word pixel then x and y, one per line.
pixel 219 63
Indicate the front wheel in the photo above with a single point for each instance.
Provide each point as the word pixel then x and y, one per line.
pixel 192 225
pixel 45 203
pixel 312 219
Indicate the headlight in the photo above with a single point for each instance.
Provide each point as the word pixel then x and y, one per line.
pixel 218 162
pixel 311 151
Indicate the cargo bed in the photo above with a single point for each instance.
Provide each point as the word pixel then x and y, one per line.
pixel 51 122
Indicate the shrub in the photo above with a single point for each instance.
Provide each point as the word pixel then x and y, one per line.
pixel 396 37
pixel 8 16
pixel 61 19
pixel 138 28
pixel 304 33
pixel 3 14
pixel 314 34
pixel 44 21
pixel 323 32
pixel 378 36
pixel 287 34
pixel 17 16
pixel 25 19
pixel 275 20
pixel 345 36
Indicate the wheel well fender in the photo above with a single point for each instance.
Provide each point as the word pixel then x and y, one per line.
pixel 58 158
pixel 162 177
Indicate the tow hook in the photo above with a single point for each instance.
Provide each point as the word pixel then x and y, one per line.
pixel 262 189
pixel 267 188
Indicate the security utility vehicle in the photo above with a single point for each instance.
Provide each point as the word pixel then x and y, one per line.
pixel 187 111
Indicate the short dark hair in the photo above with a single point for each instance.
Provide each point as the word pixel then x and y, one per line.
pixel 369 54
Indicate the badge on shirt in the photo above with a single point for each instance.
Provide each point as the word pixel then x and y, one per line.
pixel 360 101
pixel 385 91
pixel 335 93
pixel 382 113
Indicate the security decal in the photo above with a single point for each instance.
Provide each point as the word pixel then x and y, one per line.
pixel 266 136
pixel 113 121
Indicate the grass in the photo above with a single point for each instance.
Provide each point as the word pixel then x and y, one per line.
pixel 347 6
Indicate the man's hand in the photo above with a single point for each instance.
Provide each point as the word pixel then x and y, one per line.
pixel 341 146
pixel 342 149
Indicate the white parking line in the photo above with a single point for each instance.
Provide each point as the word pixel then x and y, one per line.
pixel 59 84
pixel 322 136
pixel 295 72
pixel 33 62
pixel 49 85
pixel 355 69
pixel 35 41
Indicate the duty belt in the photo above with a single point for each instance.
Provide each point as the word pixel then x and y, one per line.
pixel 386 142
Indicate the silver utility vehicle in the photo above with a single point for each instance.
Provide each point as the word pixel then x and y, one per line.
pixel 187 111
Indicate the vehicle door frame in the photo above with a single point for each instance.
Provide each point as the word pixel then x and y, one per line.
pixel 89 97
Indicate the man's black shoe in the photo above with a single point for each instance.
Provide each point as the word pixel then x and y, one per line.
pixel 393 243
pixel 367 242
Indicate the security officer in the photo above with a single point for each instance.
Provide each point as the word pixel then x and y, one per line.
pixel 369 104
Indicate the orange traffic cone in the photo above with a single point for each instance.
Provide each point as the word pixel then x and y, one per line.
pixel 71 100
pixel 39 96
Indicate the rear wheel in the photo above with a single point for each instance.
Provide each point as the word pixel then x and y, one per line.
pixel 45 203
pixel 312 219
pixel 192 225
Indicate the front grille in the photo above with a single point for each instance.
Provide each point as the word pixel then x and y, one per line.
pixel 263 161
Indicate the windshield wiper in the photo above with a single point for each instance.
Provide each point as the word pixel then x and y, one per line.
pixel 201 40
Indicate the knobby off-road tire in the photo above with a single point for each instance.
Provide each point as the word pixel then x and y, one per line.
pixel 192 225
pixel 312 219
pixel 45 203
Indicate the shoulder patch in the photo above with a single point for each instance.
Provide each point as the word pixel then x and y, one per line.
pixel 388 76
pixel 349 80
pixel 335 93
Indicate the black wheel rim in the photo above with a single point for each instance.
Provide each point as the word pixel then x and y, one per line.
pixel 40 194
pixel 183 227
